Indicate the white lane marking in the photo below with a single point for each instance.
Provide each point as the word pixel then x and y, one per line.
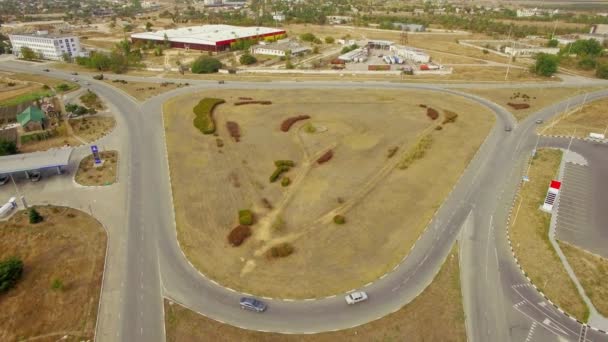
pixel 488 245
pixel 531 332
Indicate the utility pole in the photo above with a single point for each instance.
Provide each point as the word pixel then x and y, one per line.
pixel 510 58
pixel 17 191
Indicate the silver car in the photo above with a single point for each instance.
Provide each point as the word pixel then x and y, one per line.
pixel 252 304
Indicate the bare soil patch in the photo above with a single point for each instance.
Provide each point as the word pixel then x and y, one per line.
pixel 211 183
pixel 580 121
pixel 105 174
pixel 530 236
pixel 419 320
pixel 69 246
pixel 537 98
pixel 91 128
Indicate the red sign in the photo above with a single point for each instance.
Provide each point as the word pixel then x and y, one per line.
pixel 556 185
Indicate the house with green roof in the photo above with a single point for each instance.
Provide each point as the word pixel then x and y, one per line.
pixel 31 119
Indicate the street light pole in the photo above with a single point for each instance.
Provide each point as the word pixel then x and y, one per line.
pixel 17 191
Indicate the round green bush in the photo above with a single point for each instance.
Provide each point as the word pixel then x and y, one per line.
pixel 339 219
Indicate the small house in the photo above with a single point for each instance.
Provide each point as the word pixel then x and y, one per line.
pixel 31 119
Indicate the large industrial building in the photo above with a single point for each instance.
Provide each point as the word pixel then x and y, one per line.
pixel 207 37
pixel 46 46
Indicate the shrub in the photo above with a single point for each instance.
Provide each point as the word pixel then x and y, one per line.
pixel 307 37
pixel 546 65
pixel 205 65
pixel 281 250
pixel 285 181
pixel 247 59
pixel 238 235
pixel 98 77
pixel 57 284
pixel 602 71
pixel 289 163
pixel 287 123
pixel 518 105
pixel 35 216
pixel 310 128
pixel 204 114
pixel 219 142
pixel 432 113
pixel 240 103
pixel 277 173
pixel 245 217
pixel 266 203
pixel 234 130
pixel 587 63
pixel 449 116
pixel 329 40
pixel 325 157
pixel 392 151
pixel 439 128
pixel 417 152
pixel 339 219
pixel 11 270
pixel 62 87
pixel 7 147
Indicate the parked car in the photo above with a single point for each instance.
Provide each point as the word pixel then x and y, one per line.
pixel 4 179
pixel 356 297
pixel 221 82
pixel 248 303
pixel 46 70
pixel 35 176
pixel 508 128
pixel 74 80
pixel 539 121
pixel 74 73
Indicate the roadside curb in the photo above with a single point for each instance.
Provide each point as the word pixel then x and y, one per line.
pixel 605 141
pixel 508 223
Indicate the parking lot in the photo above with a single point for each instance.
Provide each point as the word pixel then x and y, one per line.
pixel 576 210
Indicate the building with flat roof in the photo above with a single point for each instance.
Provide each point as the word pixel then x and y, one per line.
pixel 280 48
pixel 207 37
pixel 525 50
pixel 410 53
pixel 409 27
pixel 47 46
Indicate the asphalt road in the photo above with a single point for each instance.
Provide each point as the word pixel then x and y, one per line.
pixel 499 304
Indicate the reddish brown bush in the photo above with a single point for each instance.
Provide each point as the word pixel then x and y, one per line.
pixel 431 113
pixel 234 129
pixel 518 105
pixel 287 123
pixel 280 251
pixel 325 157
pixel 246 102
pixel 245 98
pixel 449 116
pixel 238 235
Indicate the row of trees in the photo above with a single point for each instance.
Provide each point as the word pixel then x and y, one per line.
pixel 118 60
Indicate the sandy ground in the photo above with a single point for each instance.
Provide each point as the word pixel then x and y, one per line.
pixel 386 209
pixel 105 174
pixel 529 234
pixel 591 118
pixel 419 321
pixel 539 97
pixel 69 246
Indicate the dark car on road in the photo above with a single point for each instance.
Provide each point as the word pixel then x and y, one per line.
pixel 252 304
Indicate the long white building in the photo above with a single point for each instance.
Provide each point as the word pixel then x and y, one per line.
pixel 49 46
pixel 410 53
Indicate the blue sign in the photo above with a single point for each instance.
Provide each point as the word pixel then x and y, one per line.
pixel 96 154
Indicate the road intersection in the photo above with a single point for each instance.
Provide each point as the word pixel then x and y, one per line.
pixel 146 259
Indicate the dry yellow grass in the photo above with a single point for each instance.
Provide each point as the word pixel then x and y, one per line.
pixel 235 177
pixel 435 315
pixel 592 272
pixel 144 90
pixel 530 236
pixel 592 118
pixel 93 127
pixel 67 245
pixel 105 174
pixel 483 74
pixel 538 97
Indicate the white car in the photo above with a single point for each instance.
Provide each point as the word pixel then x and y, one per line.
pixel 356 297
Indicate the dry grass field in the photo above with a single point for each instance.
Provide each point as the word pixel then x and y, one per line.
pixel 386 209
pixel 592 271
pixel 144 90
pixel 482 74
pixel 46 144
pixel 538 97
pixel 420 320
pixel 105 174
pixel 592 118
pixel 92 128
pixel 68 247
pixel 530 236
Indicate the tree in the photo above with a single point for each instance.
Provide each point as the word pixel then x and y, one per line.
pixel 307 37
pixel 247 59
pixel 148 26
pixel 66 57
pixel 589 47
pixel 587 63
pixel 602 71
pixel 27 53
pixel 329 40
pixel 35 216
pixel 546 65
pixel 7 147
pixel 552 43
pixel 10 271
pixel 205 65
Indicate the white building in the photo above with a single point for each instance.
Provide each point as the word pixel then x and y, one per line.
pixel 278 16
pixel 410 53
pixel 279 48
pixel 49 46
pixel 532 12
pixel 528 51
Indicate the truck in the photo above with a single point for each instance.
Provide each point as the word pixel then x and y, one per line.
pixel 8 207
